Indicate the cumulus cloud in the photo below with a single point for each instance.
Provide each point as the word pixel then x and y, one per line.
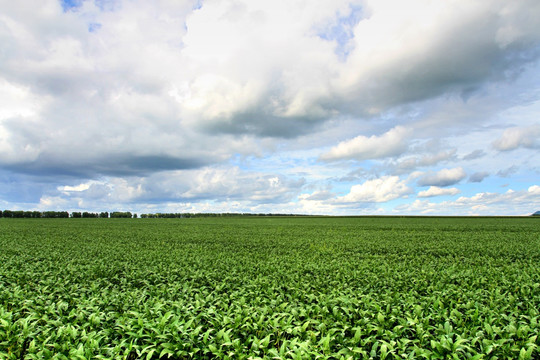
pixel 391 143
pixel 235 184
pixel 444 177
pixel 437 191
pixel 377 190
pixel 389 73
pixel 523 199
pixel 206 184
pixel 523 202
pixel 410 163
pixel 513 138
pixel 534 190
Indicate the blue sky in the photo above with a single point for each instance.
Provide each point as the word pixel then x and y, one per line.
pixel 347 107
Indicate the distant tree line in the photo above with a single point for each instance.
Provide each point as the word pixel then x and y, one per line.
pixel 33 214
pixel 89 215
pixel 195 215
pixel 127 214
pixel 120 214
pixel 64 214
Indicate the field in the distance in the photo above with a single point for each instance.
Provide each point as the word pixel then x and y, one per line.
pixel 306 288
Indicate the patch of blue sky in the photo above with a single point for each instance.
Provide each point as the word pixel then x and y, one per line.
pixel 68 5
pixel 241 161
pixel 17 189
pixel 341 189
pixel 342 31
pixel 107 5
pixel 489 184
pixel 103 5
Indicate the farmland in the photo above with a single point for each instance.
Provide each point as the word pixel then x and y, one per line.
pixel 270 287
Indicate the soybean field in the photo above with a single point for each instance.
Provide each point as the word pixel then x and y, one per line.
pixel 270 288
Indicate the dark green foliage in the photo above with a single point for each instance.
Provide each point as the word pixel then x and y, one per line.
pixel 120 214
pixel 197 215
pixel 55 214
pixel 33 214
pixel 273 288
pixel 87 214
pixel 17 214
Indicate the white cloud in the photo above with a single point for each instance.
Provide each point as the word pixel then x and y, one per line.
pixel 387 72
pixel 17 104
pixel 17 101
pixel 432 158
pixel 513 138
pixel 235 184
pixel 437 191
pixel 377 190
pixel 260 60
pixel 219 185
pixel 444 177
pixel 114 189
pixel 523 202
pixel 391 143
pixel 53 203
pixel 81 187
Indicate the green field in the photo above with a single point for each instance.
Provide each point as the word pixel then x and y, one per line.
pixel 270 287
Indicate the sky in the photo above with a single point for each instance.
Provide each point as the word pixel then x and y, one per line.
pixel 336 107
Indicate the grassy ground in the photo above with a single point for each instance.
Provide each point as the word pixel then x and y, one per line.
pixel 267 287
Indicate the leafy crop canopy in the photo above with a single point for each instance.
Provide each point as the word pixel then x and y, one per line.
pixel 340 288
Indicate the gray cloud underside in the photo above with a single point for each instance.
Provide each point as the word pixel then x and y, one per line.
pixel 478 176
pixel 444 177
pixel 111 165
pixel 261 124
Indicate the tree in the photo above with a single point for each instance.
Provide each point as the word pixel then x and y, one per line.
pixel 121 214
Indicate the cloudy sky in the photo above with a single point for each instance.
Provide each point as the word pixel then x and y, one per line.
pixel 313 107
